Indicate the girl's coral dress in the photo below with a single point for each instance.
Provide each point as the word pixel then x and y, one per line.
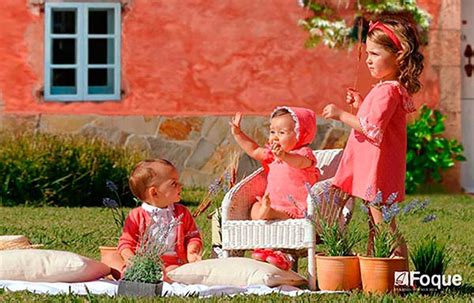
pixel 376 158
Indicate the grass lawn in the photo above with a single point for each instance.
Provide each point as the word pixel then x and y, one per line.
pixel 82 230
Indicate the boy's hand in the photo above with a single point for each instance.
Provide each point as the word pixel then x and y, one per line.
pixel 353 97
pixel 235 124
pixel 331 111
pixel 194 253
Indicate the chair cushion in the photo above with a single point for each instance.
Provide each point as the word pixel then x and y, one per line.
pixel 234 271
pixel 41 265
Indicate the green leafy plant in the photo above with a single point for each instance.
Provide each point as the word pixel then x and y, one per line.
pixel 337 241
pixel 61 170
pixel 331 29
pixel 428 152
pixel 337 238
pixel 430 257
pixel 146 265
pixel 385 241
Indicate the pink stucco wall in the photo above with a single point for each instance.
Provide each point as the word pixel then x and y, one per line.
pixel 196 57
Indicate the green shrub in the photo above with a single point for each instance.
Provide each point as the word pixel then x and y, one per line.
pixel 62 170
pixel 430 257
pixel 428 153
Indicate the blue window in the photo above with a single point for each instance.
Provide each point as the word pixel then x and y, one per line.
pixel 82 51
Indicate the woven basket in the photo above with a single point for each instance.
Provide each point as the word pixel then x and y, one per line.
pixel 16 242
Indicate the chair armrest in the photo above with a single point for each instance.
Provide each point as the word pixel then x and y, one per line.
pixel 327 161
pixel 237 202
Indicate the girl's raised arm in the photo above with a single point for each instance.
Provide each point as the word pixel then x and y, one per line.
pixel 247 144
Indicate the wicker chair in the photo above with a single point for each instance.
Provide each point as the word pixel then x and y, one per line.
pixel 296 236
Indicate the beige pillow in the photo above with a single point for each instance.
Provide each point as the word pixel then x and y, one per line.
pixel 234 271
pixel 41 265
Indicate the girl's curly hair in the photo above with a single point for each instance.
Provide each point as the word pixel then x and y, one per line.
pixel 409 59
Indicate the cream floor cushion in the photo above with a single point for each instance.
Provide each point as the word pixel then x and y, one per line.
pixel 42 265
pixel 234 271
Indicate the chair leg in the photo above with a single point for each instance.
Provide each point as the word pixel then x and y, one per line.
pixel 312 268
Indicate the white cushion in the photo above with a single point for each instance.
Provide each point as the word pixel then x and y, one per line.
pixel 234 271
pixel 41 265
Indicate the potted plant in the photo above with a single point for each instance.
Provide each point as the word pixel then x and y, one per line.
pixel 109 254
pixel 430 258
pixel 379 267
pixel 338 267
pixel 143 275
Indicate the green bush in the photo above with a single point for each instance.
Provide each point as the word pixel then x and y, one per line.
pixel 431 258
pixel 428 153
pixel 62 170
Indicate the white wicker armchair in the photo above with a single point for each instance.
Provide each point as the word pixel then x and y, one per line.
pixel 241 233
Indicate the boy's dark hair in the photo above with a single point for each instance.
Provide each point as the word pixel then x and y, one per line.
pixel 144 174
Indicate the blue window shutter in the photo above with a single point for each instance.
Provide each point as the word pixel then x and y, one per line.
pixel 110 70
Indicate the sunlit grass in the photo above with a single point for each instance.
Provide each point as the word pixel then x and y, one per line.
pixel 83 230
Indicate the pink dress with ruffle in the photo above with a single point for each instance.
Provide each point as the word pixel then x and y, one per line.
pixel 376 158
pixel 284 181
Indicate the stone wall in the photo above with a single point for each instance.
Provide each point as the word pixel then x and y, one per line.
pixel 445 46
pixel 200 147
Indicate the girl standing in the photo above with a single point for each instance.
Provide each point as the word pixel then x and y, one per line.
pixel 375 155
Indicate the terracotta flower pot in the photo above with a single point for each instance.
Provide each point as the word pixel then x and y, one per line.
pixel 110 256
pixel 338 273
pixel 378 273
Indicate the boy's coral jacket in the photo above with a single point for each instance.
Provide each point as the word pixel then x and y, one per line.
pixel 187 232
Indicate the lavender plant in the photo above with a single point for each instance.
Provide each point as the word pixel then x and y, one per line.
pixel 115 206
pixel 146 265
pixel 386 240
pixel 336 236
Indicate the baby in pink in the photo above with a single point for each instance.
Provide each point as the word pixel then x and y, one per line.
pixel 288 160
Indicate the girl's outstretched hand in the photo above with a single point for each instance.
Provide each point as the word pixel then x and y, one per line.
pixel 331 111
pixel 353 97
pixel 235 124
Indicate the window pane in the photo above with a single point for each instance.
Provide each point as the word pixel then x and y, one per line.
pixel 63 81
pixel 64 21
pixel 101 81
pixel 64 51
pixel 101 51
pixel 101 21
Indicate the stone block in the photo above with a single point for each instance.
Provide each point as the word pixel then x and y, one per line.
pixel 60 124
pixel 138 143
pixel 180 129
pixel 219 130
pixel 201 154
pixel 18 122
pixel 220 159
pixel 335 138
pixel 138 125
pixel 208 124
pixel 171 151
pixel 450 15
pixel 111 135
pixel 444 48
pixel 192 177
pixel 247 166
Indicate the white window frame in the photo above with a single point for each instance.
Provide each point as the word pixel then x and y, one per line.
pixel 82 52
